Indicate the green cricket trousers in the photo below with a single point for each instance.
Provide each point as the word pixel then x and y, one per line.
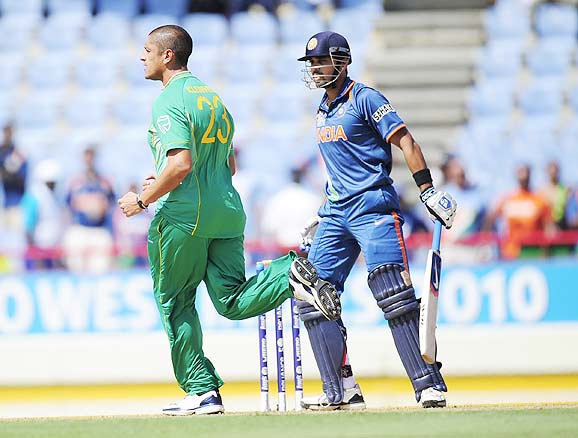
pixel 179 262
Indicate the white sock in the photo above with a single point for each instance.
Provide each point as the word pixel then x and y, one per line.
pixel 347 374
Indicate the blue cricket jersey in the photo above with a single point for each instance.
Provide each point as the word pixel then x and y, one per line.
pixel 353 135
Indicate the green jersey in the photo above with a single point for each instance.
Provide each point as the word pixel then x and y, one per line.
pixel 190 115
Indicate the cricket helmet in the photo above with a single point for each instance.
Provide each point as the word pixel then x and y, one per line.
pixel 326 44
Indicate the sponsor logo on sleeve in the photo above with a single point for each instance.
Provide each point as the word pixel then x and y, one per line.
pixel 164 123
pixel 384 109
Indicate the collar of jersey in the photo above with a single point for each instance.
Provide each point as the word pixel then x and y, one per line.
pixel 344 90
pixel 178 76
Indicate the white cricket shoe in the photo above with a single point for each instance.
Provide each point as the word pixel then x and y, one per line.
pixel 352 401
pixel 307 286
pixel 207 403
pixel 432 398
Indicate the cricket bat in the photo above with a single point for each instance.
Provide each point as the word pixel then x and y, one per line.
pixel 429 300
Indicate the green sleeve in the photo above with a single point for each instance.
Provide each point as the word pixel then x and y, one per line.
pixel 172 126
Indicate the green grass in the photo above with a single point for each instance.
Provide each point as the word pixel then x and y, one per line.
pixel 491 421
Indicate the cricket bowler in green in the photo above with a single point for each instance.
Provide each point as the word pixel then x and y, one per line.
pixel 197 230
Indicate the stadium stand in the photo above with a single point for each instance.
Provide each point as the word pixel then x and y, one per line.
pixel 126 8
pixel 469 82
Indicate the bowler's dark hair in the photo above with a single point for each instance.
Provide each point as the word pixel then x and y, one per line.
pixel 177 39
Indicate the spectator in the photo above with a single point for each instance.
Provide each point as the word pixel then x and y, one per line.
pixel 235 6
pixel 287 211
pixel 471 200
pixel 13 172
pixel 524 213
pixel 413 220
pixel 556 194
pixel 212 6
pixel 43 219
pixel 88 242
pixel 130 236
pixel 469 219
pixel 572 210
pixel 247 184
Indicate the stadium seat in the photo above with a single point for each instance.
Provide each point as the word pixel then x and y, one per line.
pixel 108 31
pixel 50 71
pixel 83 7
pixel 101 62
pixel 178 8
pixel 87 110
pixel 144 24
pixel 286 101
pixel 568 147
pixel 206 29
pixel 127 8
pixel 346 22
pixel 251 28
pixel 206 63
pixel 498 27
pixel 19 22
pixel 135 107
pixel 37 113
pixel 133 73
pixel 369 5
pixel 251 64
pixel 538 122
pixel 490 100
pixel 478 128
pixel 297 26
pixel 22 7
pixel 63 30
pixel 506 20
pixel 499 60
pixel 6 114
pixel 37 142
pixel 285 67
pixel 541 97
pixel 573 100
pixel 263 157
pixel 17 32
pixel 241 101
pixel 129 145
pixel 556 20
pixel 11 78
pixel 547 59
pixel 566 44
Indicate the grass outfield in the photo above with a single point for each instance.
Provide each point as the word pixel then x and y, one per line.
pixel 485 421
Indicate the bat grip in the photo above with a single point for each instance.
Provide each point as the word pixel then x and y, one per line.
pixel 437 235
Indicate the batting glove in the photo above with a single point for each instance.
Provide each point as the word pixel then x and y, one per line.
pixel 308 232
pixel 440 205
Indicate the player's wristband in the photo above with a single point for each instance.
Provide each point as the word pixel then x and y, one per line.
pixel 422 177
pixel 141 204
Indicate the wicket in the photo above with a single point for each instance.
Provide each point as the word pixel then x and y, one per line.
pixel 264 370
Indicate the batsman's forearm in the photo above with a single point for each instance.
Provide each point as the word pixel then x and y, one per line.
pixel 413 157
pixel 415 160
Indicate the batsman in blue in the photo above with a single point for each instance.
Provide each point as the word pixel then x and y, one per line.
pixel 356 126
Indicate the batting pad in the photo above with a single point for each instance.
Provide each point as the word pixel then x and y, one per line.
pixel 401 310
pixel 327 340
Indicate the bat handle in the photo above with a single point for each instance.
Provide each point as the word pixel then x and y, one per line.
pixel 437 235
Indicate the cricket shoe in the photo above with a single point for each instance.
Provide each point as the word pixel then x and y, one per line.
pixel 432 398
pixel 207 403
pixel 307 286
pixel 352 401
